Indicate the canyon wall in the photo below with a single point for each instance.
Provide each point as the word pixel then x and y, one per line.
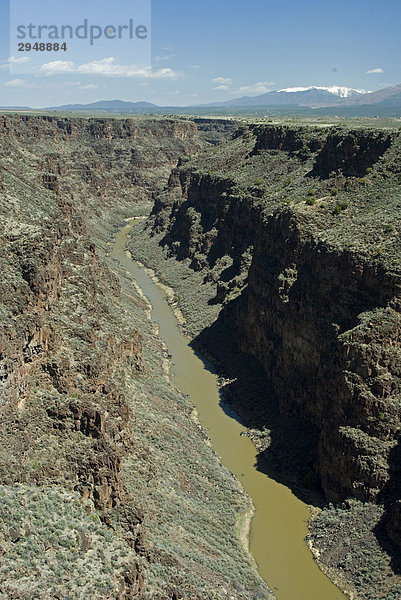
pixel 306 222
pixel 95 441
pixel 63 360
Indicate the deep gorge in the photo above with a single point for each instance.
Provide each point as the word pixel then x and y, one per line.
pixel 294 233
pixel 289 238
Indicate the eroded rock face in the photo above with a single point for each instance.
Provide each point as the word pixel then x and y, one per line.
pixel 349 152
pixel 302 317
pixel 41 360
pixel 112 164
pixel 320 305
pixel 52 128
pixel 289 139
pixel 352 153
pixel 85 422
pixel 64 355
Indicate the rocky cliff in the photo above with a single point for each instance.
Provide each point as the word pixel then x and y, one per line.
pixel 64 414
pixel 100 495
pixel 296 231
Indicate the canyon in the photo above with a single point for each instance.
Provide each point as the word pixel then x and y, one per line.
pixel 292 237
pixel 282 245
pixel 104 468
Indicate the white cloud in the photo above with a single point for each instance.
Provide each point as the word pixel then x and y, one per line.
pixel 195 66
pixel 106 67
pixel 57 66
pixel 162 58
pixel 18 83
pixel 261 87
pixel 13 60
pixel 81 86
pixel 222 80
pixel 222 87
pixel 377 70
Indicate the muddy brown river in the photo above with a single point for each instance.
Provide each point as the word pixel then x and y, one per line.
pixel 279 525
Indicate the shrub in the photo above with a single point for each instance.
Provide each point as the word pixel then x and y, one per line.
pixel 340 206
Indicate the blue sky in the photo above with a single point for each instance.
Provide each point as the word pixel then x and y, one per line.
pixel 213 50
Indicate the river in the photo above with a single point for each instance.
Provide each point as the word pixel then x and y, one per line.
pixel 279 525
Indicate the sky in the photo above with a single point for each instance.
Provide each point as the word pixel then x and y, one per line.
pixel 200 52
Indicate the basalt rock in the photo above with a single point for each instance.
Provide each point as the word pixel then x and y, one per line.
pixel 321 298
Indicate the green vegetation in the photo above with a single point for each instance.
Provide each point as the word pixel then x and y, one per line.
pixel 346 540
pixel 357 200
pixel 340 206
pixel 52 545
pixel 101 457
pixel 389 228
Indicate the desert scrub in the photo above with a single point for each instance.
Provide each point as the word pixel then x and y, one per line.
pixel 52 546
pixel 347 542
pixel 340 206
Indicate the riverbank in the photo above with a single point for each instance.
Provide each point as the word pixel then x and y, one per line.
pixel 193 505
pixel 244 519
pixel 271 536
pixel 327 537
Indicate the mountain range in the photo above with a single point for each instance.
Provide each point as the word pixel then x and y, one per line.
pixel 313 96
pixel 341 98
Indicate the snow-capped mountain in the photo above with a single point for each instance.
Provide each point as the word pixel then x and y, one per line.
pixel 337 90
pixel 312 96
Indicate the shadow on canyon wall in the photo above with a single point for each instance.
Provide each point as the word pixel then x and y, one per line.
pixel 291 441
pixel 288 443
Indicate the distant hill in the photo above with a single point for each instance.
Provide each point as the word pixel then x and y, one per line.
pixel 113 106
pixel 15 108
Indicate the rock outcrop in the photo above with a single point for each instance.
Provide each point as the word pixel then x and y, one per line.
pixel 94 441
pixel 307 222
